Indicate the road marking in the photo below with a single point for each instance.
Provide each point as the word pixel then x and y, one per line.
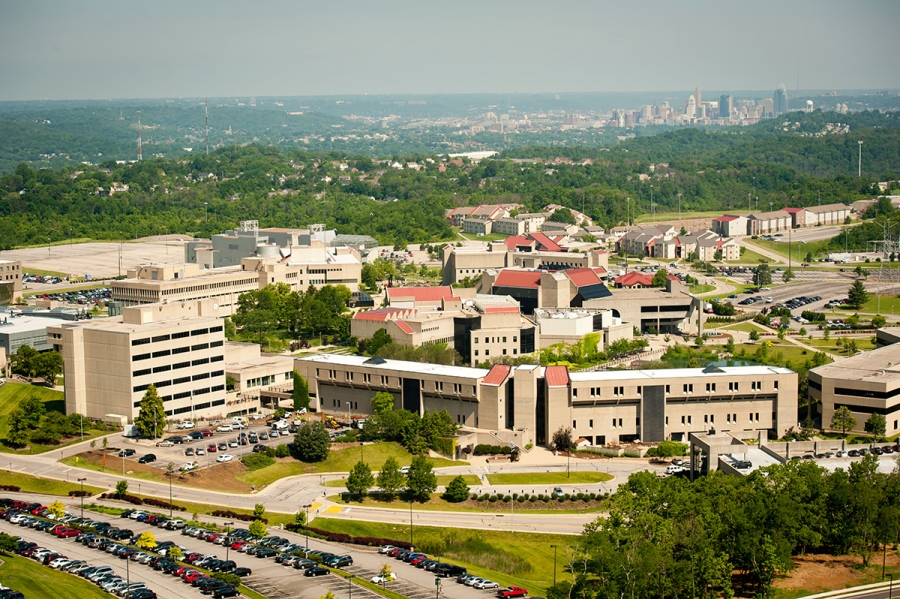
pixel 334 509
pixel 315 506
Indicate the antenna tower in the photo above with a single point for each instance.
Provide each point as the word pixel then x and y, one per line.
pixel 207 126
pixel 140 144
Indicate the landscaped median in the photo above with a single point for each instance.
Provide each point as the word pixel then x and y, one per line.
pixel 28 483
pixel 501 502
pixel 41 582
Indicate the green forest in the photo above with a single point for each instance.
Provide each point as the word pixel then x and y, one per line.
pixel 693 168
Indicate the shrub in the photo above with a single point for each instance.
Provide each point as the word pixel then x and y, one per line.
pixel 282 451
pixel 164 504
pixel 515 495
pixel 15 489
pixel 236 516
pixel 483 497
pixel 580 496
pixel 507 498
pixel 520 498
pixel 474 497
pixel 593 496
pixel 232 579
pixel 563 498
pixel 492 498
pixel 73 493
pixel 532 499
pixel 255 461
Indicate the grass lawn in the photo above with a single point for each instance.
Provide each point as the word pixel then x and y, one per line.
pixel 747 326
pixel 44 273
pixel 792 353
pixel 13 393
pixel 739 289
pixel 442 481
pixel 45 486
pixel 798 250
pixel 114 468
pixel 508 558
pixel 862 343
pixel 341 460
pixel 437 504
pixel 890 305
pixel 39 582
pixel 548 478
pixel 701 288
pixel 750 257
pixel 661 217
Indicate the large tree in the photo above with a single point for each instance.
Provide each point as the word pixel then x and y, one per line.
pixel 660 278
pixel 382 402
pixel 457 490
pixel 421 481
pixel 24 420
pixel 360 480
pixel 312 442
pixel 877 425
pixel 843 420
pixel 562 439
pixel 151 419
pixel 390 479
pixel 857 295
pixel 762 276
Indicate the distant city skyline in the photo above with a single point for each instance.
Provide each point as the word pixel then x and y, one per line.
pixel 54 49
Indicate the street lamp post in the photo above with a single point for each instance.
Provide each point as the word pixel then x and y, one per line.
pixel 227 540
pixel 554 564
pixel 350 585
pixel 81 480
pixel 410 524
pixel 307 506
pixel 891 587
pixel 205 212
pixel 170 493
pixel 360 451
pixel 860 158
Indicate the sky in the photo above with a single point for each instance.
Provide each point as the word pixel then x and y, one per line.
pixel 101 49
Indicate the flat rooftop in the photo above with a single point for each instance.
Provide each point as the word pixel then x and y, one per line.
pixel 115 324
pixel 264 362
pixel 877 366
pixel 676 373
pixel 27 324
pixel 398 366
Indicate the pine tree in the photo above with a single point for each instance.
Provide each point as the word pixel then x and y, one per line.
pixel 151 419
pixel 360 480
pixel 857 295
pixel 390 479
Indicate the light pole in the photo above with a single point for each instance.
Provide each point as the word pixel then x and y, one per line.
pixel 306 507
pixel 169 474
pixel 205 212
pixel 360 451
pixel 628 211
pixel 227 540
pixel 410 524
pixel 350 585
pixel 554 564
pixel 679 207
pixel 891 586
pixel 860 158
pixel 81 480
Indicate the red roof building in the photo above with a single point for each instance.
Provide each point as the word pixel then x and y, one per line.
pixel 383 314
pixel 557 376
pixel 528 279
pixel 419 295
pixel 498 374
pixel 634 280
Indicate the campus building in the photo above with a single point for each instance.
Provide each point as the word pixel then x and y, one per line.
pixel 10 281
pixel 867 383
pixel 602 407
pixel 109 364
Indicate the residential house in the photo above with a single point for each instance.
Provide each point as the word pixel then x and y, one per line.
pixel 730 225
pixel 767 223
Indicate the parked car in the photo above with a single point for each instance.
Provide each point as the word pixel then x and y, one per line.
pixel 316 571
pixel 147 458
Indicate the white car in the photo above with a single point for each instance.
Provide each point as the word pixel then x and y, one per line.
pixel 379 579
pixel 190 466
pixel 225 428
pixel 385 548
pixel 404 470
pixel 486 584
pixel 186 424
pixel 200 451
pixel 233 443
pixel 225 457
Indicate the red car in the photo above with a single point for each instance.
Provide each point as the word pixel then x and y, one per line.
pixel 512 592
pixel 193 575
pixel 416 561
pixel 237 545
pixel 206 433
pixel 211 448
pixel 68 533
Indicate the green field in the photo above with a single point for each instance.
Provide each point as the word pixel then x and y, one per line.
pixel 890 305
pixel 436 503
pixel 115 467
pixel 45 486
pixel 661 217
pixel 747 326
pixel 748 256
pixel 40 582
pixel 701 288
pixel 799 249
pixel 508 558
pixel 549 478
pixel 792 353
pixel 442 481
pixel 13 393
pixel 44 273
pixel 339 461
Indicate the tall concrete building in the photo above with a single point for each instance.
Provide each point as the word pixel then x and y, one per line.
pixel 10 281
pixel 780 100
pixel 725 105
pixel 109 364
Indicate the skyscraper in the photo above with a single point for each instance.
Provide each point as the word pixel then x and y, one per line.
pixel 780 99
pixel 725 106
pixel 697 97
pixel 690 110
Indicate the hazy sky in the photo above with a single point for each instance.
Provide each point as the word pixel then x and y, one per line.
pixel 68 49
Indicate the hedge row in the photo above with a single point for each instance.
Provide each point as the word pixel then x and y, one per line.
pixel 339 537
pixel 538 497
pixel 164 504
pixel 484 449
pixel 129 498
pixel 236 516
pixel 13 488
pixel 79 493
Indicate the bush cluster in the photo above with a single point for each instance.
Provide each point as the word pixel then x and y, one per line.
pixel 129 498
pixel 236 516
pixel 164 504
pixel 484 449
pixel 13 488
pixel 339 537
pixel 493 498
pixel 75 493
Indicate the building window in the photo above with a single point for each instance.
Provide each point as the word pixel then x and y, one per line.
pixel 637 421
pixel 639 390
pixel 476 352
pixel 476 339
pixel 682 420
pixel 667 388
pixel 575 394
pixel 614 423
pixel 591 424
pixel 776 385
pixel 574 424
pixel 689 419
pixel 620 423
pixel 706 419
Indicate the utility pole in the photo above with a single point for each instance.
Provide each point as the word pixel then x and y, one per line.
pixel 207 126
pixel 140 144
pixel 860 158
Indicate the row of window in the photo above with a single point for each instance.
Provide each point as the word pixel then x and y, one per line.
pixel 685 420
pixel 487 352
pixel 497 339
pixel 178 350
pixel 179 381
pixel 687 388
pixel 352 405
pixel 178 335
pixel 199 406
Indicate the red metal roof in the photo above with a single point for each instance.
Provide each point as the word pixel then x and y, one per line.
pixel 600 271
pixel 725 219
pixel 634 278
pixel 518 278
pixel 501 309
pixel 581 277
pixel 514 241
pixel 549 244
pixel 420 294
pixel 404 327
pixel 557 376
pixel 498 374
pixel 380 314
pixel 793 210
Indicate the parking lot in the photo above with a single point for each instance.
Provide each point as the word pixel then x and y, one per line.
pixel 268 577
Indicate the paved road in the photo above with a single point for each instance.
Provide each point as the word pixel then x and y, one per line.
pixel 269 578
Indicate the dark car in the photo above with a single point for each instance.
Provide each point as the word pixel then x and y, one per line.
pixel 340 561
pixel 242 572
pixel 226 592
pixel 146 459
pixel 196 435
pixel 853 453
pixel 316 571
pixel 126 453
pixel 264 552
